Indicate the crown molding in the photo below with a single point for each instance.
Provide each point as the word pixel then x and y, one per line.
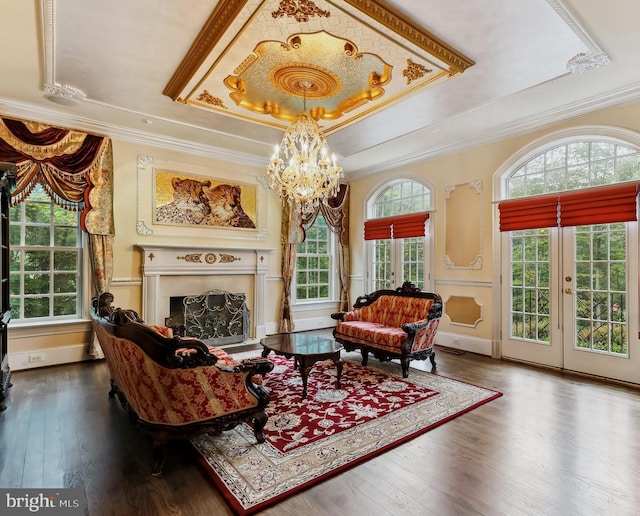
pixel 27 111
pixel 520 127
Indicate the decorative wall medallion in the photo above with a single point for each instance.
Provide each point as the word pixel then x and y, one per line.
pixel 144 161
pixel 414 71
pixel 301 10
pixel 210 258
pixel 587 61
pixel 142 229
pixel 205 96
pixel 228 258
pixel 192 257
pixel 63 91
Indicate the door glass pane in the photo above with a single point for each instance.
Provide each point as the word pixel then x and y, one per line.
pixel 600 294
pixel 413 261
pixel 530 285
pixel 381 264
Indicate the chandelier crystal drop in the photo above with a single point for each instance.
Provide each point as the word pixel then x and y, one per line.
pixel 307 175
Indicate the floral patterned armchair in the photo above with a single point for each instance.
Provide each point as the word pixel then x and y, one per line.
pixel 176 387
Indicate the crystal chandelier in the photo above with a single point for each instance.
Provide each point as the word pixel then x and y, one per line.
pixel 307 175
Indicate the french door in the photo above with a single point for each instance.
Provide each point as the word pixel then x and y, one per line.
pixel 396 261
pixel 570 298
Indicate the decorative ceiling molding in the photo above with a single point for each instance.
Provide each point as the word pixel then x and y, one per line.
pixel 221 18
pixel 409 30
pixel 29 112
pixel 260 53
pixel 526 125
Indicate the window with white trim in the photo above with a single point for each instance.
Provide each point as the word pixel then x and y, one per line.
pixel 46 260
pixel 395 260
pixel 315 276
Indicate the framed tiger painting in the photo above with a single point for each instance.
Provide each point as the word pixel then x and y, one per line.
pixel 189 200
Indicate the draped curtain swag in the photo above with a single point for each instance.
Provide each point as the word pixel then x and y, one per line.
pixel 604 205
pixel 76 170
pixel 336 213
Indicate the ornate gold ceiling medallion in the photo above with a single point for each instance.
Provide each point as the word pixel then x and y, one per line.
pixel 313 66
pixel 305 80
pixel 414 71
pixel 301 10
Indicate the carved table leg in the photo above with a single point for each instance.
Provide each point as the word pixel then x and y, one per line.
pixel 339 363
pixel 305 369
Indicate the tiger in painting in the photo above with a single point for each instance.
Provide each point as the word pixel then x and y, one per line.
pixel 190 204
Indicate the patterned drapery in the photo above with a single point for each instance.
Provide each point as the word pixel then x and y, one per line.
pixel 336 213
pixel 76 170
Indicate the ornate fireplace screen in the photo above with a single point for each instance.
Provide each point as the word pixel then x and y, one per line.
pixel 218 316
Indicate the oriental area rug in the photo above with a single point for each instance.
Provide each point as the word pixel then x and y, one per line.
pixel 309 440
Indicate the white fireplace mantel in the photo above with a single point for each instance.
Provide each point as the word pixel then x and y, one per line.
pixel 161 262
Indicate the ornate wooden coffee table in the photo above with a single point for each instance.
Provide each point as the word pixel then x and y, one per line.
pixel 306 350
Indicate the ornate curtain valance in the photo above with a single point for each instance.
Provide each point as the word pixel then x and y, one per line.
pixel 74 168
pixel 336 213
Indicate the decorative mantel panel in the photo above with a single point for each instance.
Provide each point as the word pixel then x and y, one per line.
pixel 189 270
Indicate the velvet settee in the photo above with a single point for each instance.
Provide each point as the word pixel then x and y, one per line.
pixel 392 324
pixel 174 387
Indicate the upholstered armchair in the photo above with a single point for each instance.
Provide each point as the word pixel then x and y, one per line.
pixel 176 387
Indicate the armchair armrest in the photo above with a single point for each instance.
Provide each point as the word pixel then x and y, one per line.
pixel 250 365
pixel 352 315
pixel 421 334
pixel 414 326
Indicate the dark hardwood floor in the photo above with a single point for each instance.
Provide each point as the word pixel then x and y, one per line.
pixel 554 444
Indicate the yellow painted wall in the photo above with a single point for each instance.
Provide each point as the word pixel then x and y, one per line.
pixel 58 345
pixel 480 163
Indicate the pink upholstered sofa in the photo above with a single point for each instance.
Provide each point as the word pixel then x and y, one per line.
pixel 176 387
pixel 392 324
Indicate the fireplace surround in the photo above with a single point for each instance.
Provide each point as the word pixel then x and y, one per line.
pixel 173 271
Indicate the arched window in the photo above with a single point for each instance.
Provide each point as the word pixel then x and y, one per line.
pixel 569 236
pixel 395 232
pixel 574 165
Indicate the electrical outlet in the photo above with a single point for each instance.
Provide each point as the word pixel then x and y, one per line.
pixel 36 357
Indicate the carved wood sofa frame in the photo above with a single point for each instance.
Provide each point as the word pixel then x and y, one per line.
pixel 146 366
pixel 364 328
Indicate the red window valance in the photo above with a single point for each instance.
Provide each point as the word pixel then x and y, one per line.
pixel 602 205
pixel 74 168
pixel 401 226
pixel 599 206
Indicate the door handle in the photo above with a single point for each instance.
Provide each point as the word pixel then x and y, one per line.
pixel 568 291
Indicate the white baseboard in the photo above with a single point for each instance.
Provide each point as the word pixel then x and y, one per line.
pixel 48 357
pixel 464 343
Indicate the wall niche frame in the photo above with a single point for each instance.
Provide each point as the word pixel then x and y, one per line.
pixel 463 311
pixel 154 199
pixel 463 225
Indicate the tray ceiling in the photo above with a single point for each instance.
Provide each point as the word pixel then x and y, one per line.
pixel 266 61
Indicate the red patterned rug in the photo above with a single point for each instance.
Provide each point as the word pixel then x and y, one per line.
pixel 309 440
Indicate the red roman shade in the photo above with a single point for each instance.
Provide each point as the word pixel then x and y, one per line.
pixel 599 206
pixel 602 205
pixel 408 226
pixel 401 226
pixel 540 212
pixel 377 229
